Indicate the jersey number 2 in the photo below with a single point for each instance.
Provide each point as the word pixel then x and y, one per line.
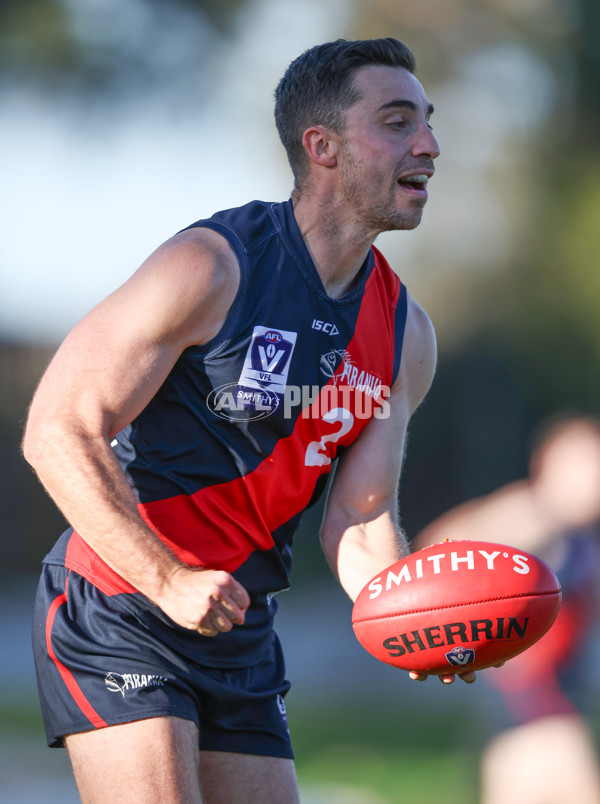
pixel 315 452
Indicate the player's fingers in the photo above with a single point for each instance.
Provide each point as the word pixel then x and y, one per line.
pixel 207 626
pixel 224 606
pixel 208 632
pixel 468 677
pixel 448 678
pixel 224 615
pixel 500 664
pixel 417 676
pixel 239 595
pixel 231 599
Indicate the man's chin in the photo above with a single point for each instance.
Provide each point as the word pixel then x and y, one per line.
pixel 408 225
pixel 405 222
pixel 387 219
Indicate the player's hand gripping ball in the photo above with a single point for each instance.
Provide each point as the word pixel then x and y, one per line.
pixel 458 605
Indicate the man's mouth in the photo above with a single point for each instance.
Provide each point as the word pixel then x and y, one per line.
pixel 415 181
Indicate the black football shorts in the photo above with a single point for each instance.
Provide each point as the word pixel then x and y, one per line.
pixel 100 661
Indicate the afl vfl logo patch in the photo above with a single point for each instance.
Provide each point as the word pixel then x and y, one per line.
pixel 460 656
pixel 267 362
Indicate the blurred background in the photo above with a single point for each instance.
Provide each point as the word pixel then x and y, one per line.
pixel 122 121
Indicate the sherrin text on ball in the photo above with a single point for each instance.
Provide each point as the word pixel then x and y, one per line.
pixel 459 604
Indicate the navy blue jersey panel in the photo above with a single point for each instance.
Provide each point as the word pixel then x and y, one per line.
pixel 240 437
pixel 179 444
pixel 401 311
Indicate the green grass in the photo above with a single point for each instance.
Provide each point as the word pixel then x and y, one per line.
pixel 419 758
pixel 21 715
pixel 416 759
pixel 380 756
pixel 403 776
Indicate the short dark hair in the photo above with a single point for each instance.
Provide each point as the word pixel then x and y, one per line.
pixel 318 87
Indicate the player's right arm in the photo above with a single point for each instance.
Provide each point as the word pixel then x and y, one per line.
pixel 106 371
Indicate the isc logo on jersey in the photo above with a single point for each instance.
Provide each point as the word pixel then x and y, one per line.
pixel 325 326
pixel 266 367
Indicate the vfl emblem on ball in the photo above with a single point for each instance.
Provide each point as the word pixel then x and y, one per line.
pixel 461 656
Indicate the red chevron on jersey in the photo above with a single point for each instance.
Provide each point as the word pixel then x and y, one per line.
pixel 221 525
pixel 224 487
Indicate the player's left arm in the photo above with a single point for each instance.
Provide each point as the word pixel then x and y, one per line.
pixel 361 533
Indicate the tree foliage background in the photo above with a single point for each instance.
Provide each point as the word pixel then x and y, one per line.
pixel 505 261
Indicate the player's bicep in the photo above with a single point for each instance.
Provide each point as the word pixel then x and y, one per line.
pixel 101 378
pixel 113 362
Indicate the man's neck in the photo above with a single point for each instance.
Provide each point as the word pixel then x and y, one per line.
pixel 337 247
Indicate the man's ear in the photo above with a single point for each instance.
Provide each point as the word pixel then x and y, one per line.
pixel 321 145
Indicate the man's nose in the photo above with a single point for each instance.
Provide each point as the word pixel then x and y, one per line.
pixel 425 143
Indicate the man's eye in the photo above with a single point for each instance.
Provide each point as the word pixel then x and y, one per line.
pixel 397 124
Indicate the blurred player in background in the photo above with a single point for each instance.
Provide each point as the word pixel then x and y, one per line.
pixel 548 755
pixel 173 430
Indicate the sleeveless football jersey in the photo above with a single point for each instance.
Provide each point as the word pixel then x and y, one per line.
pixel 241 436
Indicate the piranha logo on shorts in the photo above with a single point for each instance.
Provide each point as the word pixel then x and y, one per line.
pixel 119 682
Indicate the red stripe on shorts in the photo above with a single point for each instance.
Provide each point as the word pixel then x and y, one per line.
pixel 66 675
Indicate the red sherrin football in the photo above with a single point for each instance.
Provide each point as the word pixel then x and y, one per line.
pixel 456 605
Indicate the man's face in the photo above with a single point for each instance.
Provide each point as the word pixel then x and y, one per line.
pixel 387 149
